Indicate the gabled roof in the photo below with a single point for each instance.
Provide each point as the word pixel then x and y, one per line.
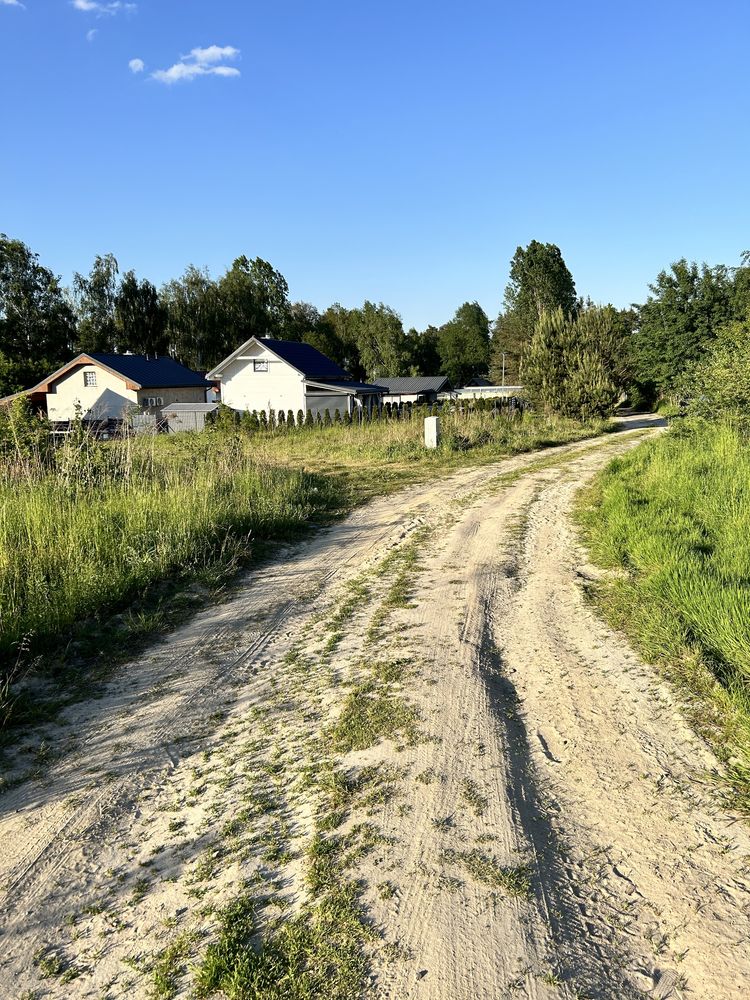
pixel 138 370
pixel 307 360
pixel 404 386
pixel 150 371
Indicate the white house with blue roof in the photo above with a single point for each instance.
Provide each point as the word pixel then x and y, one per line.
pixel 264 374
pixel 105 387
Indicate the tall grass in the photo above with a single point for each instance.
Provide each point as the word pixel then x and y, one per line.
pixel 468 437
pixel 675 514
pixel 106 522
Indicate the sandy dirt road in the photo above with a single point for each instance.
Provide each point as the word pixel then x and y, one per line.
pixel 549 754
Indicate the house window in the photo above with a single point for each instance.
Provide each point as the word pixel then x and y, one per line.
pixel 89 379
pixel 260 366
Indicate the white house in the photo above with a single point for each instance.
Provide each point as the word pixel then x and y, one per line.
pixel 103 387
pixel 286 375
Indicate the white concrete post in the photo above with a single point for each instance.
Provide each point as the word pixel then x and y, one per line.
pixel 431 432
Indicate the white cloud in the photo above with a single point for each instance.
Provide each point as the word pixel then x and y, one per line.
pixel 101 9
pixel 213 54
pixel 12 3
pixel 200 62
pixel 136 65
pixel 91 35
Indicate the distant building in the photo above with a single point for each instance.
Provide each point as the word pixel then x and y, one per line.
pixel 285 375
pixel 420 389
pixel 487 391
pixel 107 387
pixel 187 416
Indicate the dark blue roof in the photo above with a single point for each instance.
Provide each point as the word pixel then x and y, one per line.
pixel 404 385
pixel 348 384
pixel 152 371
pixel 306 359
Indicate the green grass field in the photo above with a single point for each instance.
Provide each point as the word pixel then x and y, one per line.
pixel 675 515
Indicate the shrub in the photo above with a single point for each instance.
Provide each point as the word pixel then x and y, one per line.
pixel 24 434
pixel 246 422
pixel 263 420
pixel 309 422
pixel 720 382
pixel 337 416
pixel 282 420
pixel 571 365
pixel 226 418
pixel 300 418
pixel 290 418
pixel 327 418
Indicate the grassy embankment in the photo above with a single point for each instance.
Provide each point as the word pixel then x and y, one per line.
pixel 115 527
pixel 675 514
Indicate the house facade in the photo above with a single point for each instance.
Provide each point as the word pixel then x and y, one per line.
pixel 420 389
pixel 108 387
pixel 285 375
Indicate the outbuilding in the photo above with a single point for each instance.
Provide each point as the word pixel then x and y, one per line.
pixel 187 416
pixel 419 389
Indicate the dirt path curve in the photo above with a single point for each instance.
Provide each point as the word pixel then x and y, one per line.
pixel 551 835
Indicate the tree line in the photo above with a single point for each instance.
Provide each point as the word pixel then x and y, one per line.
pixel 572 356
pixel 199 320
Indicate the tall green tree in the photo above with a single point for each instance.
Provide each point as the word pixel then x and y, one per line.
pixel 380 340
pixel 140 317
pixel 255 299
pixel 464 344
pixel 687 305
pixel 197 329
pixel 95 297
pixel 37 323
pixel 509 338
pixel 424 351
pixel 339 332
pixel 575 365
pixel 539 282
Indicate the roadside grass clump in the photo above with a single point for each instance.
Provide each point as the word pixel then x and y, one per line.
pixel 674 517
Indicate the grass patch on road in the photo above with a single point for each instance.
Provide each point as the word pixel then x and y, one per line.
pixel 674 515
pixel 512 880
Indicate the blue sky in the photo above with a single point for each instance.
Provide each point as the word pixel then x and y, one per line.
pixel 396 151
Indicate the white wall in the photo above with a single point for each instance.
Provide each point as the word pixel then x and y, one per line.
pixel 280 388
pixel 107 399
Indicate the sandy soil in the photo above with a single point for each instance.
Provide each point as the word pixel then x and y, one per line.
pixel 547 748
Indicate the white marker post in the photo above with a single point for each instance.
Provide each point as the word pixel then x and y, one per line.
pixel 431 432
